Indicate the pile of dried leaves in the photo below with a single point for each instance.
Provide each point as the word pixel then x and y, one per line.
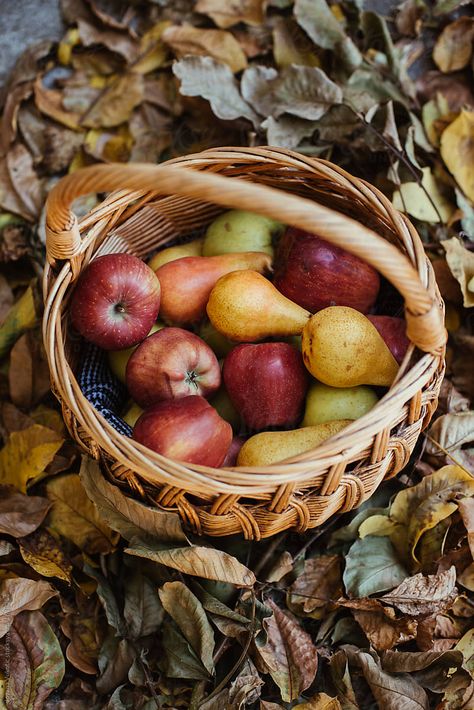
pixel 101 606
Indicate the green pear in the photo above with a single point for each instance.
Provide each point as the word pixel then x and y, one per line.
pixel 118 358
pixel 238 230
pixel 218 342
pixel 270 447
pixel 179 251
pixel 132 414
pixel 325 403
pixel 222 403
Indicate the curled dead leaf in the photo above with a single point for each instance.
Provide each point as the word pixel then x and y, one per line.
pixel 42 552
pixel 457 151
pixel 320 583
pixel 228 14
pixel 453 48
pixel 219 44
pixel 461 262
pixel 20 594
pixel 421 595
pixel 20 515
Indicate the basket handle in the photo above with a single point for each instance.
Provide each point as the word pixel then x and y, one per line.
pixel 423 313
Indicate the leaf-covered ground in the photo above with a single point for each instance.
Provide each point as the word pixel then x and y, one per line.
pixel 104 606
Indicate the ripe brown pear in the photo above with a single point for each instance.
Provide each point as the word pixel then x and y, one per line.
pixel 246 307
pixel 342 348
pixel 269 447
pixel 186 283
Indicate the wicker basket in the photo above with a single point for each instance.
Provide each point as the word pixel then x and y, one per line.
pixel 149 206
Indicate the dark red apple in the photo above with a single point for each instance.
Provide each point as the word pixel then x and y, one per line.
pixel 186 429
pixel 393 331
pixel 170 364
pixel 315 274
pixel 266 383
pixel 116 301
pixel 236 445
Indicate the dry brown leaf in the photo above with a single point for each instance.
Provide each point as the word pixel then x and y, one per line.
pixel 25 180
pixel 466 510
pixel 20 594
pixel 320 583
pixel 291 45
pixel 41 551
pixel 82 627
pixel 280 567
pixel 422 595
pixel 379 623
pixel 26 455
pixel 457 151
pixel 75 517
pixel 28 374
pixel 461 263
pixel 228 14
pixel 20 515
pixel 9 125
pixel 219 44
pixel 116 102
pixel 452 431
pixel 289 654
pixel 23 316
pixel 453 48
pixel 6 295
pixel 320 701
pixel 14 242
pixel 114 40
pixel 49 102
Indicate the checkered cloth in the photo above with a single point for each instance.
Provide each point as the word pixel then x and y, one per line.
pixel 100 386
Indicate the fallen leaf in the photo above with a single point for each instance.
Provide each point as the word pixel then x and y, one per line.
pixel 114 40
pixel 291 45
pixel 9 199
pixel 320 701
pixel 41 551
pixel 319 23
pixel 461 262
pixel 25 181
pixel 421 507
pixel 36 662
pixel 466 510
pixel 151 134
pixel 28 374
pixel 216 606
pixel 115 662
pixel 153 52
pixel 20 515
pixel 320 583
pixel 124 514
pixel 280 567
pixel 305 92
pixel 382 630
pixel 457 151
pixel 21 594
pixel 116 102
pixel 49 102
pixel 288 131
pixel 371 567
pixel 289 654
pixel 180 661
pixel 83 629
pixel 142 612
pixel 22 317
pixel 424 201
pixel 188 614
pixel 26 455
pixel 433 670
pixel 228 14
pixel 108 600
pixel 214 81
pixel 75 517
pixel 422 595
pixel 198 561
pixel 6 295
pixel 453 48
pixel 219 44
pixel 378 525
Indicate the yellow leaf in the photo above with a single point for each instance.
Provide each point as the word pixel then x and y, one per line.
pixel 453 48
pixel 153 52
pixel 461 264
pixel 291 45
pixel 22 317
pixel 412 198
pixel 50 418
pixel 70 40
pixel 41 551
pixel 457 151
pixel 218 44
pixel 380 525
pixel 226 14
pixel 320 701
pixel 75 517
pixel 466 645
pixel 116 103
pixel 26 455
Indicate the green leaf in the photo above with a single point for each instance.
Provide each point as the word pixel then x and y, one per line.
pixel 215 606
pixel 107 597
pixel 188 613
pixel 22 317
pixel 26 455
pixel 371 567
pixel 180 661
pixel 36 662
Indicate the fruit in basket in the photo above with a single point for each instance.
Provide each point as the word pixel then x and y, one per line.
pixel 186 429
pixel 316 274
pixel 266 383
pixel 131 415
pixel 116 301
pixel 238 230
pixel 186 283
pixel 325 403
pixel 118 358
pixel 232 454
pixel 393 331
pixel 218 342
pixel 223 404
pixel 342 348
pixel 270 447
pixel 164 256
pixel 245 307
pixel 170 364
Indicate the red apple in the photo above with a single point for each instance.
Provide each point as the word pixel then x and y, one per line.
pixel 170 364
pixel 315 274
pixel 186 429
pixel 231 458
pixel 116 301
pixel 267 383
pixel 393 331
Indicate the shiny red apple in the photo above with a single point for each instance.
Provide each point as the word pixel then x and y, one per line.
pixel 116 301
pixel 315 274
pixel 170 364
pixel 267 383
pixel 186 429
pixel 393 331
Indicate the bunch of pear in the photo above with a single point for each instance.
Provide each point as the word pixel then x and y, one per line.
pixel 231 288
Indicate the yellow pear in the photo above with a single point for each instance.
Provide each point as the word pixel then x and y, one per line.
pixel 325 403
pixel 193 248
pixel 132 414
pixel 342 348
pixel 269 447
pixel 246 307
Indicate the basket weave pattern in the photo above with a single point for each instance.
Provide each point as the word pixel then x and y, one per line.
pixel 149 206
